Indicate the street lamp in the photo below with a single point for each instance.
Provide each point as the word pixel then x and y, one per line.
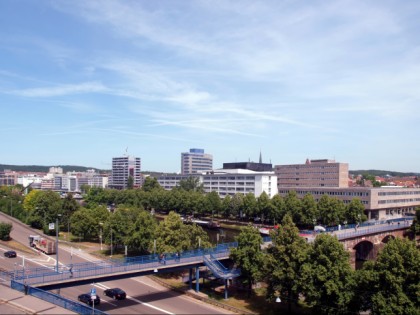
pixel 100 233
pixel 56 242
pixel 111 242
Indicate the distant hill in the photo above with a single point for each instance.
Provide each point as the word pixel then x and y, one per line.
pixel 383 173
pixel 45 169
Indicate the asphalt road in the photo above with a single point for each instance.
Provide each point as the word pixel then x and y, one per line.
pixel 144 296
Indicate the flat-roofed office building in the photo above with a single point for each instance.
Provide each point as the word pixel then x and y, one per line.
pixel 380 203
pixel 229 182
pixel 314 173
pixel 196 162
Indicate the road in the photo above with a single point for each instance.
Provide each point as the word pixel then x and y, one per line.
pixel 144 296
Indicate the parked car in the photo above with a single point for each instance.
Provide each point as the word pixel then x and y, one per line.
pixel 10 254
pixel 115 293
pixel 86 298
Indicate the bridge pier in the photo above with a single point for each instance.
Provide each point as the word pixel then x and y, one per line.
pixel 197 279
pixel 226 289
pixel 190 278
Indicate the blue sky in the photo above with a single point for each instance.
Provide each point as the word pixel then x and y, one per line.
pixel 84 81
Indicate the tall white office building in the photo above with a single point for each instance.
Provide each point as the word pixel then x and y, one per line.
pixel 122 169
pixel 196 162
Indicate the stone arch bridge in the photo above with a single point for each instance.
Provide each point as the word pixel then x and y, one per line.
pixel 367 244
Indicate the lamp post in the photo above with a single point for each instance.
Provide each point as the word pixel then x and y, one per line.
pixel 100 234
pixel 111 242
pixel 56 242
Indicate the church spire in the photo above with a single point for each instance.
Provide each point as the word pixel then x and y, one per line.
pixel 260 157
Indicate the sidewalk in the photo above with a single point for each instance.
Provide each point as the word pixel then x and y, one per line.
pixel 28 303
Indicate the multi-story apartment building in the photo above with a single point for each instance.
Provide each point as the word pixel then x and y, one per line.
pixel 123 168
pixel 196 162
pixel 314 173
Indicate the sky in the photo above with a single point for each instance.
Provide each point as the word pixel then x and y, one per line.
pixel 83 81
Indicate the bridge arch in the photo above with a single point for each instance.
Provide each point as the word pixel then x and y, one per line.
pixel 364 251
pixel 387 238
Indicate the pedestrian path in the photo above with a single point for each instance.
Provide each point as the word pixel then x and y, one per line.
pixel 28 304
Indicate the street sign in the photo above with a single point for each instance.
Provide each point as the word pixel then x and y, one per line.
pixel 93 297
pixel 51 226
pixel 92 291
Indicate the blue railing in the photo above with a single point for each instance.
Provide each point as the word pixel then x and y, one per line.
pixel 151 262
pixel 104 268
pixel 55 299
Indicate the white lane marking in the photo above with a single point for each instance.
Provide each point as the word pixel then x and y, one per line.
pixel 100 285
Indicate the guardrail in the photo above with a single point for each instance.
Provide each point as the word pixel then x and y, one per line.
pixel 103 268
pixel 55 299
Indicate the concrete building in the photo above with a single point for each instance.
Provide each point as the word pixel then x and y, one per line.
pixel 196 162
pixel 327 177
pixel 229 182
pixel 122 169
pixel 314 173
pixel 380 203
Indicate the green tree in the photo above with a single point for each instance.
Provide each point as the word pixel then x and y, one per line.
pixel 415 227
pixel 327 278
pixel 293 205
pixel 43 208
pixel 150 184
pixel 265 207
pixel 68 207
pixel 355 210
pixel 214 203
pixel 172 235
pixel 250 205
pixel 130 182
pixel 83 224
pixel 142 233
pixel 285 258
pixel 331 210
pixel 236 205
pixel 191 184
pixel 226 206
pixel 248 255
pixel 279 207
pixel 309 210
pixel 393 285
pixel 5 229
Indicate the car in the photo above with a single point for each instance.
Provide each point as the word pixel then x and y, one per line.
pixel 10 254
pixel 115 293
pixel 86 298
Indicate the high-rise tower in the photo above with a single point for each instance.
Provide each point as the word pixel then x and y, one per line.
pixel 195 162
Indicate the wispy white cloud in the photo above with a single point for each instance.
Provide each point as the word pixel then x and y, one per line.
pixel 87 87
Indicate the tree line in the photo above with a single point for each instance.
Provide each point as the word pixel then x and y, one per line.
pixel 318 277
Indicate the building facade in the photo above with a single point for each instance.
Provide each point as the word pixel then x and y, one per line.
pixel 196 162
pixel 123 168
pixel 314 173
pixel 229 182
pixel 380 203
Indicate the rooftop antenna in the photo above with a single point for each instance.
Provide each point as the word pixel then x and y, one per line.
pixel 126 149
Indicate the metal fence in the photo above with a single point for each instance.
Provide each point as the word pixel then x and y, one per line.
pixel 55 299
pixel 102 268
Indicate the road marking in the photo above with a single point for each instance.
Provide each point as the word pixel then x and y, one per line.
pixel 100 285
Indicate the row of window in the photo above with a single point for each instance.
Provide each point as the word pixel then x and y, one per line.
pixel 398 201
pixel 330 193
pixel 398 193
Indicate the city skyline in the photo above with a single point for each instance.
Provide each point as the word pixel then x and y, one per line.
pixel 82 82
